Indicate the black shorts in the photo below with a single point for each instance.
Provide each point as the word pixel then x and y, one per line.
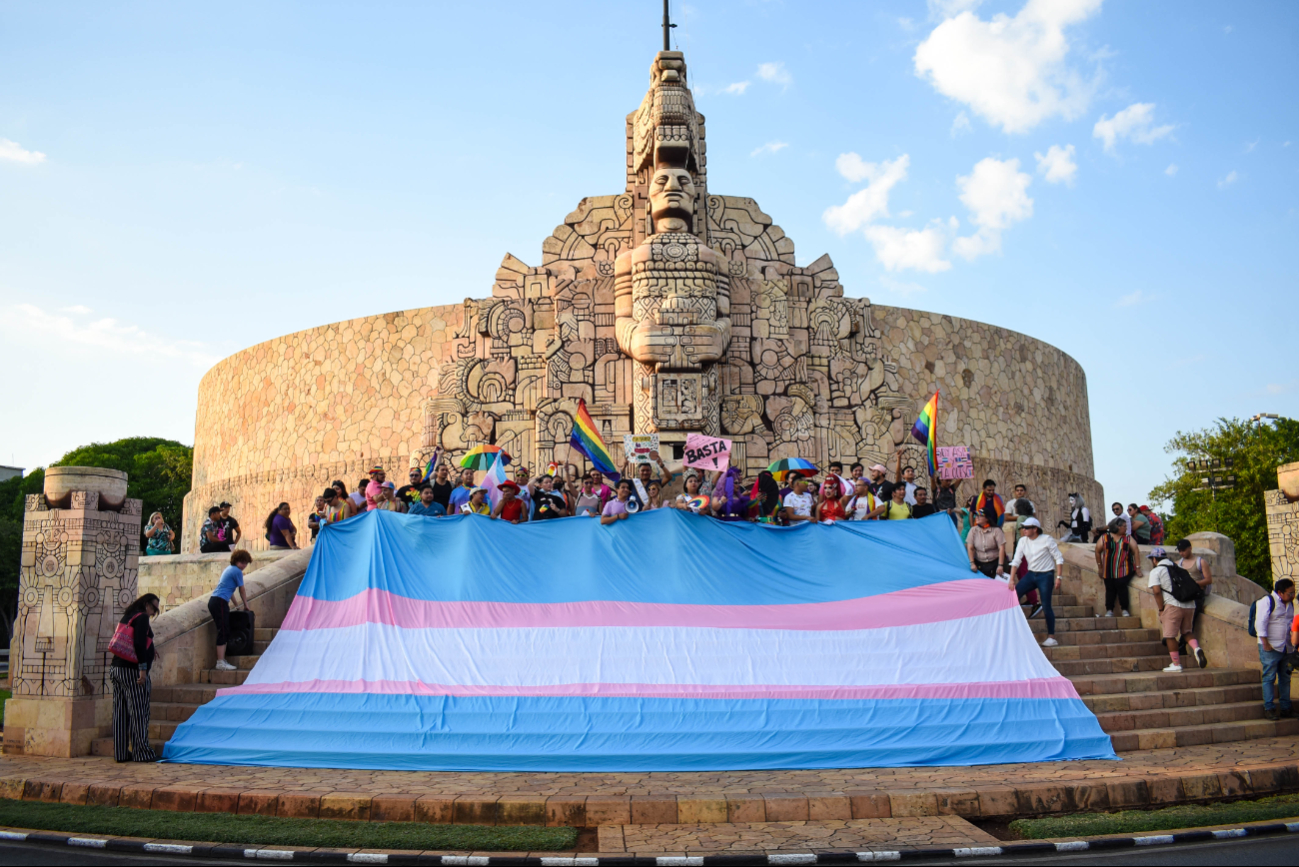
pixel 220 611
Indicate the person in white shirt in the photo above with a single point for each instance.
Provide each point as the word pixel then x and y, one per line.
pixel 798 502
pixel 862 504
pixel 1045 562
pixel 1273 616
pixel 1021 493
pixel 1176 617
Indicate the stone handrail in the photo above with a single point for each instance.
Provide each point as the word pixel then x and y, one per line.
pixel 186 637
pixel 1220 628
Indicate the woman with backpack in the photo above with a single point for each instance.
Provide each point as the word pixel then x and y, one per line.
pixel 133 655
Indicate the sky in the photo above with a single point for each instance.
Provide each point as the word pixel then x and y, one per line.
pixel 181 181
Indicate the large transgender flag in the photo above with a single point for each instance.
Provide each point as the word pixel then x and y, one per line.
pixel 665 642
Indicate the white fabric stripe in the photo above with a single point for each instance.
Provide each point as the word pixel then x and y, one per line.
pixel 994 647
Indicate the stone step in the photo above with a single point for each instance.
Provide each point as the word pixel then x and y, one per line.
pixel 1104 651
pixel 1085 624
pixel 1158 681
pixel 104 746
pixel 1105 636
pixel 223 678
pixel 267 633
pixel 1180 717
pixel 169 711
pixel 259 647
pixel 1061 611
pixel 1190 736
pixel 161 730
pixel 1174 698
pixel 185 693
pixel 1113 665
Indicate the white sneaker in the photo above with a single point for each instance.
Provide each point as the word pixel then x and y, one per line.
pixel 1126 614
pixel 1106 614
pixel 222 665
pixel 1173 669
pixel 1050 642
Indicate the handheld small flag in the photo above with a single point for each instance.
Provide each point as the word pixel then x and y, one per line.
pixel 926 429
pixel 586 439
pixel 496 476
pixel 432 464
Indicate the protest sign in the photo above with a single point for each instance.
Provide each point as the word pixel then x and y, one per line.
pixel 707 453
pixel 954 462
pixel 637 447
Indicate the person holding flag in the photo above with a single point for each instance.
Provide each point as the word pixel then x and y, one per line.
pixel 926 431
pixel 586 440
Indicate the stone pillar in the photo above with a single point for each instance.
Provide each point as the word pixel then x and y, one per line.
pixel 1283 522
pixel 81 546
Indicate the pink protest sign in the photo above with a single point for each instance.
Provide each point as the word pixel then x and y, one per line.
pixel 707 453
pixel 954 462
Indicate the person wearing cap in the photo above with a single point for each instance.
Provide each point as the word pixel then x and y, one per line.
pixel 377 478
pixel 1117 560
pixel 880 486
pixel 511 507
pixel 1045 563
pixel 387 499
pixel 477 503
pixel 231 526
pixel 462 493
pixel 1176 618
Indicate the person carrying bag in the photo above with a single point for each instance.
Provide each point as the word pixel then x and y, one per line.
pixel 133 656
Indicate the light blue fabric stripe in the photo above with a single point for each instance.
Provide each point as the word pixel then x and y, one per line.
pixel 403 732
pixel 664 556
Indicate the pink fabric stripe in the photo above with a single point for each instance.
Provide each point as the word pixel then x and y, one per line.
pixel 1053 687
pixel 932 603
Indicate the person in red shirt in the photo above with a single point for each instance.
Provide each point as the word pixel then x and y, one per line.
pixel 510 508
pixel 831 506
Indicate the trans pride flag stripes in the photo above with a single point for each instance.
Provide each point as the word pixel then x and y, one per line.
pixel 421 644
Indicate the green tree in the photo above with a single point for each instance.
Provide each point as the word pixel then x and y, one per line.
pixel 1255 451
pixel 158 472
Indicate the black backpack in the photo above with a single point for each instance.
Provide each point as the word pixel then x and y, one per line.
pixel 1184 587
pixel 1253 612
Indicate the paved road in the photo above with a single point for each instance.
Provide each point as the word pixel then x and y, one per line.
pixel 1245 853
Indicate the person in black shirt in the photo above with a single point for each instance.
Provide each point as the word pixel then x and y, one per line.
pixel 442 486
pixel 131 685
pixel 546 501
pixel 408 495
pixel 923 507
pixel 233 533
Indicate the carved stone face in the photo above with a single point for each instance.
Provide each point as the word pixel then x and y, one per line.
pixel 672 197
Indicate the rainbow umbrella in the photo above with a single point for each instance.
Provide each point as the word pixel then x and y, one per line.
pixel 482 457
pixel 782 468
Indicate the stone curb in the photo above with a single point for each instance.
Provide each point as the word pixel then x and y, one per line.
pixel 268 853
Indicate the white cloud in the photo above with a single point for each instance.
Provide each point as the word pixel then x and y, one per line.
pixel 1228 29
pixel 941 9
pixel 1130 300
pixel 775 73
pixel 736 89
pixel 1228 180
pixel 108 334
pixel 1010 71
pixel 996 192
pixel 1136 122
pixel 907 24
pixel 1171 170
pixel 961 124
pixel 770 147
pixel 11 150
pixel 902 249
pixel 1249 147
pixel 75 308
pixel 899 287
pixel 1057 166
pixel 872 201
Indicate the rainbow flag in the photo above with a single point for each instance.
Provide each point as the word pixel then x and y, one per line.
pixel 586 439
pixel 432 465
pixel 926 430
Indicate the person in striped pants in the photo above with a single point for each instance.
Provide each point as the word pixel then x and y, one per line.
pixel 131 686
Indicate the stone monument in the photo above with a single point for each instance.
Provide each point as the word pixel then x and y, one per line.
pixel 1283 522
pixel 77 575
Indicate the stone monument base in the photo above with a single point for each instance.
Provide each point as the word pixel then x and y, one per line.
pixel 56 726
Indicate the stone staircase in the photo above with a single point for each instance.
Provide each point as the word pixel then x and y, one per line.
pixel 1115 664
pixel 172 705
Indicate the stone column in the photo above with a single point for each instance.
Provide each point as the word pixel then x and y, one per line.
pixel 1283 523
pixel 81 546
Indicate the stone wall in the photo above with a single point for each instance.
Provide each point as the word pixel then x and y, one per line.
pixel 1282 507
pixel 178 578
pixel 280 420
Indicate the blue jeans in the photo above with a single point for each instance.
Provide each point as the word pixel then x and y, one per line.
pixel 1275 668
pixel 1044 583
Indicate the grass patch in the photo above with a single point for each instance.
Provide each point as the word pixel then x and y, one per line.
pixel 229 828
pixel 1167 819
pixel 5 695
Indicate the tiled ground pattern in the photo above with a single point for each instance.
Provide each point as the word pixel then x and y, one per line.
pixel 921 832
